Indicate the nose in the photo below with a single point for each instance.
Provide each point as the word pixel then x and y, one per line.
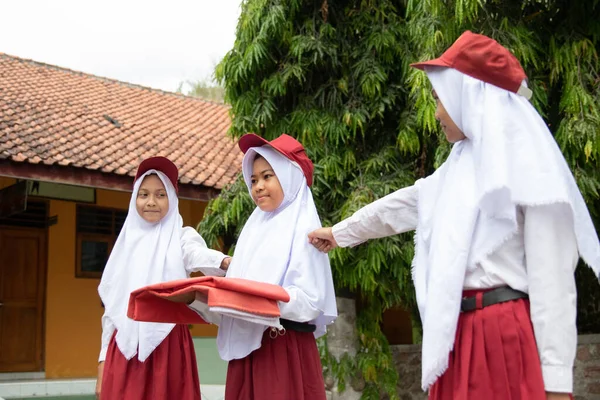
pixel 151 201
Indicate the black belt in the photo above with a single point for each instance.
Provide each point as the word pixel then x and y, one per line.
pixel 495 296
pixel 297 326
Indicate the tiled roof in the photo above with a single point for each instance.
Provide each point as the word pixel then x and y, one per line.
pixel 55 116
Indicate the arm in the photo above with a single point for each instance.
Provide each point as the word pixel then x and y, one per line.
pixel 108 329
pixel 306 295
pixel 307 280
pixel 198 257
pixel 390 215
pixel 107 332
pixel 551 256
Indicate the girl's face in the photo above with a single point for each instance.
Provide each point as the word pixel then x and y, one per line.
pixel 451 130
pixel 266 189
pixel 152 202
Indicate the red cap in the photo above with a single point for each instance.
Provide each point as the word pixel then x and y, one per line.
pixel 485 59
pixel 161 164
pixel 286 145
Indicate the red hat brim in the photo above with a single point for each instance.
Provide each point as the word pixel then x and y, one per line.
pixel 286 145
pixel 437 62
pixel 161 164
pixel 251 140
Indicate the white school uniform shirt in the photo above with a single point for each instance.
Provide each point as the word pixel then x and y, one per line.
pixel 545 235
pixel 197 257
pixel 145 254
pixel 273 248
pixel 503 209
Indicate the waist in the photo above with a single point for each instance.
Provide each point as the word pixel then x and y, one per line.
pixel 478 299
pixel 297 326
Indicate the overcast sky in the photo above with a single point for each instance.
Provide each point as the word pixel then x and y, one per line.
pixel 151 43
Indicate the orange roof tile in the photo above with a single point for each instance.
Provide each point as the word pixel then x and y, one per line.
pixel 54 116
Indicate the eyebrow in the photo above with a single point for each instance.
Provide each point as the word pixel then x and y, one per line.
pixel 263 171
pixel 156 190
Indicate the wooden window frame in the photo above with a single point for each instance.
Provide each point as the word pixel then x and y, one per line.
pixel 81 237
pixel 110 239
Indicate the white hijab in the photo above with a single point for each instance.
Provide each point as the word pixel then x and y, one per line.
pixel 467 208
pixel 145 253
pixel 273 248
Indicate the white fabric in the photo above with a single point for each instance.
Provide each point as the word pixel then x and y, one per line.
pixel 545 234
pixel 468 208
pixel 273 248
pixel 245 316
pixel 145 254
pixel 551 258
pixel 213 315
pixel 197 257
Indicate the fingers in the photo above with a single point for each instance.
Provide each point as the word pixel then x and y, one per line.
pixel 225 263
pixel 323 245
pixel 321 233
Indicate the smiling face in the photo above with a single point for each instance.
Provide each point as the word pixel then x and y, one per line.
pixel 152 203
pixel 450 129
pixel 266 189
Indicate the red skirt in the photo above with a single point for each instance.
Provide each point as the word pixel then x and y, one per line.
pixel 170 372
pixel 285 368
pixel 495 356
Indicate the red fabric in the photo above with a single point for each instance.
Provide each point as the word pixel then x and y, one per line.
pixel 150 304
pixel 284 368
pixel 161 164
pixel 482 58
pixel 170 372
pixel 495 357
pixel 286 145
pixel 479 301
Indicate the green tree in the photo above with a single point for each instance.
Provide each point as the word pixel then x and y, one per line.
pixel 336 75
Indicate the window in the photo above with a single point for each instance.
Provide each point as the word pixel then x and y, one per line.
pixel 97 231
pixel 35 216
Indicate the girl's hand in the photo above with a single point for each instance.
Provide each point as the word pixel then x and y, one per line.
pixel 323 239
pixel 225 263
pixel 99 379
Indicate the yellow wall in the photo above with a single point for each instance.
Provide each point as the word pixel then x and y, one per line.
pixel 73 307
pixel 4 181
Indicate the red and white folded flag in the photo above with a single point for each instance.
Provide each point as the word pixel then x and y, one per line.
pixel 235 297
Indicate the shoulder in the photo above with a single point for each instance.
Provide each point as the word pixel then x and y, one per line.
pixel 190 234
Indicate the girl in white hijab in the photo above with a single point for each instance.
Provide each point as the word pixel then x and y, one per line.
pixel 500 228
pixel 140 360
pixel 267 363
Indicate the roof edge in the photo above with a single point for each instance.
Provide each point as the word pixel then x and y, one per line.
pixel 92 178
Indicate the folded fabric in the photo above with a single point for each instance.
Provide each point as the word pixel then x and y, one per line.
pixel 151 304
pixel 213 315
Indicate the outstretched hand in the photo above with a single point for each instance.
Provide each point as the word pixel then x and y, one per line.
pixel 323 239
